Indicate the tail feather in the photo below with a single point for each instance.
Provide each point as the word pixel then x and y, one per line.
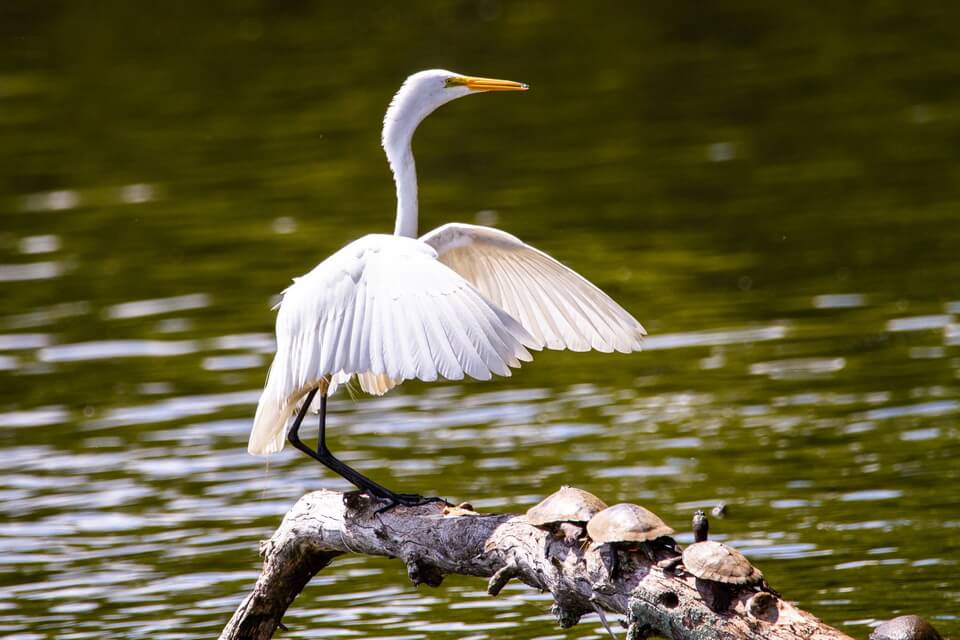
pixel 269 425
pixel 269 432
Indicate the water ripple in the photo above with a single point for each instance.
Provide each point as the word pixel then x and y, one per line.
pixel 39 417
pixel 157 306
pixel 919 323
pixel 714 338
pixel 935 408
pixel 112 349
pixel 797 367
pixel 174 409
pixel 839 301
pixel 31 271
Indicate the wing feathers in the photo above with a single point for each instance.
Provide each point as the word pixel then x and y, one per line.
pixel 468 348
pixel 556 305
pixel 385 309
pixel 462 300
pixel 446 360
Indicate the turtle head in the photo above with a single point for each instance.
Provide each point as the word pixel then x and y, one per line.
pixel 701 526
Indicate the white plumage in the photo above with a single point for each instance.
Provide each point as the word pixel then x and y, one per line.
pixel 558 306
pixel 462 300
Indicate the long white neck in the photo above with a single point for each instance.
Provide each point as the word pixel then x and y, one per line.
pixel 417 98
pixel 400 156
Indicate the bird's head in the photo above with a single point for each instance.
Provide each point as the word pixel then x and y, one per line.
pixel 424 91
pixel 438 86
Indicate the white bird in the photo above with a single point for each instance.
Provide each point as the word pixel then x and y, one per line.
pixel 462 300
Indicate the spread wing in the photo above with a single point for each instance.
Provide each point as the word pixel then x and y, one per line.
pixel 558 306
pixel 382 308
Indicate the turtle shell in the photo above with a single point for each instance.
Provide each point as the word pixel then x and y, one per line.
pixel 569 504
pixel 913 627
pixel 717 562
pixel 626 523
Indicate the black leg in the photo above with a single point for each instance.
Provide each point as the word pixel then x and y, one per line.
pixel 322 432
pixel 323 456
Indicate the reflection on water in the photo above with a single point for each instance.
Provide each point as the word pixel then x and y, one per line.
pixel 773 195
pixel 142 308
pixel 30 271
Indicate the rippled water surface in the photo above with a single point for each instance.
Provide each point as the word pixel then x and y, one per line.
pixel 774 194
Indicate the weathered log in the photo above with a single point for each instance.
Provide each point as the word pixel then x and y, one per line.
pixel 434 541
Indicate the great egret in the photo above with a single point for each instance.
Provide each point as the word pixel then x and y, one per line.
pixel 460 300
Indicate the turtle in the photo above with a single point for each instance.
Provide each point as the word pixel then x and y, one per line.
pixel 905 628
pixel 627 527
pixel 565 512
pixel 720 570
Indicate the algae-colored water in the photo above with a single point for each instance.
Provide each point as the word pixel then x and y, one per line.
pixel 772 190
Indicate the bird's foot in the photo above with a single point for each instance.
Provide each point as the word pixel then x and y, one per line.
pixel 409 500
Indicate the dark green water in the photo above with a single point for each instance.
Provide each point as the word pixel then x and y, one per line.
pixel 774 193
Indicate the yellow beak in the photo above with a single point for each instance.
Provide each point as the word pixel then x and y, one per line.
pixel 488 84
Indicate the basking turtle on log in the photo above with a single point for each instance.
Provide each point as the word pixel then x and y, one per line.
pixel 628 527
pixel 566 512
pixel 720 570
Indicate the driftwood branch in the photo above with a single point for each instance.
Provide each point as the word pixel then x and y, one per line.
pixel 434 541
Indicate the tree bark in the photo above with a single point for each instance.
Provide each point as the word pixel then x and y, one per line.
pixel 434 541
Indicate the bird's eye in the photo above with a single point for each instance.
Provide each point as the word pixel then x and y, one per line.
pixel 454 81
